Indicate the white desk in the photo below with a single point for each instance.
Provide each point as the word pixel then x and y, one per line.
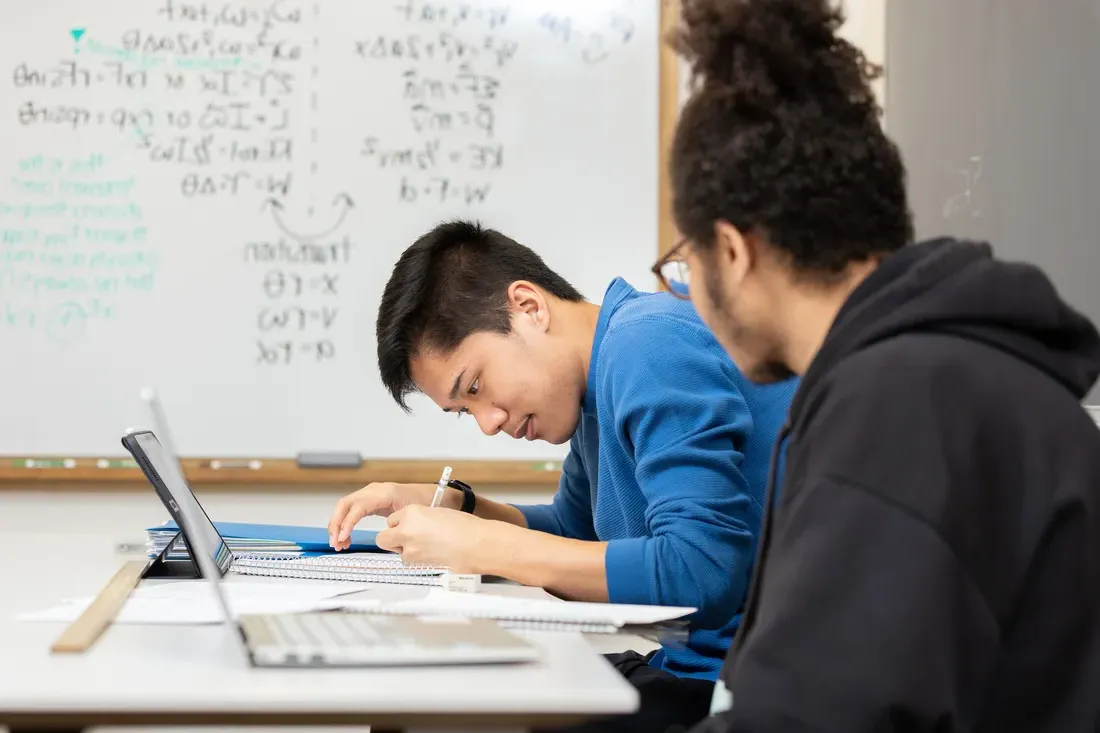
pixel 192 675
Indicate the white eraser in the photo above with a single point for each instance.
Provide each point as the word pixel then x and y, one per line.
pixel 462 582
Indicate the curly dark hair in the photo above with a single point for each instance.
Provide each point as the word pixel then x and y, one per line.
pixel 781 135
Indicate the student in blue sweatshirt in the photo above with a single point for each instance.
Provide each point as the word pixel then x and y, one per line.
pixel 662 489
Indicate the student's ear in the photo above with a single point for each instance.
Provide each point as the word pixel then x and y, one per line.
pixel 736 253
pixel 529 305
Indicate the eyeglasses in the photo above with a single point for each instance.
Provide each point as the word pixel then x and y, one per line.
pixel 673 272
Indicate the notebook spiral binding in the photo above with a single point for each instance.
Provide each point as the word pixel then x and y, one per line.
pixel 525 624
pixel 673 633
pixel 358 567
pixel 529 625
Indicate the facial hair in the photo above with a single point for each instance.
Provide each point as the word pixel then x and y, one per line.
pixel 761 345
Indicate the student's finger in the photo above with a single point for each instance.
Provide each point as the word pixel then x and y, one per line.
pixel 337 519
pixel 355 513
pixel 396 518
pixel 389 539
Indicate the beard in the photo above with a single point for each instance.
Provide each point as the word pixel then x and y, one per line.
pixel 755 350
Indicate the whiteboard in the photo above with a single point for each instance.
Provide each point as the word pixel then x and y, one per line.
pixel 208 197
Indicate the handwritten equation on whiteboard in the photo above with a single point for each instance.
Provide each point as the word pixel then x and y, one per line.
pixel 131 136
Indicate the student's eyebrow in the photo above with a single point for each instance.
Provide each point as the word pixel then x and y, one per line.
pixel 457 384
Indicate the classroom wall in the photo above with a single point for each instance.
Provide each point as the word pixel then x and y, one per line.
pixel 995 109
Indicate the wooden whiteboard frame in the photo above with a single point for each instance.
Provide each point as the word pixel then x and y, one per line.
pixel 282 472
pixel 669 110
pixel 285 472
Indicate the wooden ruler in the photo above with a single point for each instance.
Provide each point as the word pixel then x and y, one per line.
pixel 82 633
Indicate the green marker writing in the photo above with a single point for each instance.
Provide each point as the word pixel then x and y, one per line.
pixel 115 463
pixel 46 462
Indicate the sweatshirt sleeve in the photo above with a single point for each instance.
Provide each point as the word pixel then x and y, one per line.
pixel 570 512
pixel 678 411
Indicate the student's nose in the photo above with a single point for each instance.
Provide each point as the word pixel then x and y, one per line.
pixel 490 419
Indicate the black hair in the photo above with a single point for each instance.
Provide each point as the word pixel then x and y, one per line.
pixel 450 283
pixel 781 136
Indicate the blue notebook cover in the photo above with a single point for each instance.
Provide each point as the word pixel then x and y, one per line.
pixel 310 539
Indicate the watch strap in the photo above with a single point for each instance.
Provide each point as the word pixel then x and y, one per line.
pixel 469 499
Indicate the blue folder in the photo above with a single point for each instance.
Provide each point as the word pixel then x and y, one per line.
pixel 308 539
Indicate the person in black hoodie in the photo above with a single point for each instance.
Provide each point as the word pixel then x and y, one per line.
pixel 930 559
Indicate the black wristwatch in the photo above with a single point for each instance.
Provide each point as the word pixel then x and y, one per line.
pixel 468 498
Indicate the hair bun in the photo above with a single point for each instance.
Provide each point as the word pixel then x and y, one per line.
pixel 766 52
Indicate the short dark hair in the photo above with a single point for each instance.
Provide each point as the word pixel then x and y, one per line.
pixel 781 136
pixel 450 283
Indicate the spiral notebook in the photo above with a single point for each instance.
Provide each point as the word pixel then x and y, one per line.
pixel 362 567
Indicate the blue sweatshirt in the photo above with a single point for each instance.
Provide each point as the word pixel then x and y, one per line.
pixel 669 465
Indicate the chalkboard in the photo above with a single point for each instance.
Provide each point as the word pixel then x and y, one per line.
pixel 207 198
pixel 996 107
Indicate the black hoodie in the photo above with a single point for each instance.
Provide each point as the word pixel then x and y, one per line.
pixel 931 561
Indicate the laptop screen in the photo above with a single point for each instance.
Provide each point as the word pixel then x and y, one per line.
pixel 180 497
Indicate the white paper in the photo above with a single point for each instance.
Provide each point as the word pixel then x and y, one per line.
pixel 193 602
pixel 186 590
pixel 445 602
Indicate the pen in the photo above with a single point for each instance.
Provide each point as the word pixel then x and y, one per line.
pixel 437 499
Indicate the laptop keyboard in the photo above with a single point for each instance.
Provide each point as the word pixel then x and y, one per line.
pixel 321 630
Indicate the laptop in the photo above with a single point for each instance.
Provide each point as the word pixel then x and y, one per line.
pixel 321 639
pixel 160 424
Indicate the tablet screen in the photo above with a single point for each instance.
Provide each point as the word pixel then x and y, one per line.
pixel 180 497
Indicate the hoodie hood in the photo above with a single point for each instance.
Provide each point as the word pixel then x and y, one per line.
pixel 958 287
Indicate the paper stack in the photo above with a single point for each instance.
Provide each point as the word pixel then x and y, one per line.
pixel 193 602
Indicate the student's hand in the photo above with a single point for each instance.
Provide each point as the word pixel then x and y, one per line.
pixel 440 536
pixel 382 499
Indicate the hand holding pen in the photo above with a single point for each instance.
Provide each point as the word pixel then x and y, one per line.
pixel 381 499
